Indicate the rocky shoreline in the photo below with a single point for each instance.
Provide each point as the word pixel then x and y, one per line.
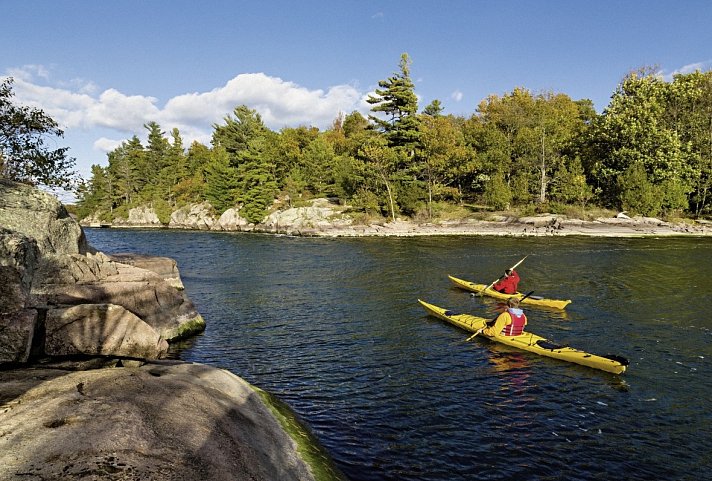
pixel 324 218
pixel 85 390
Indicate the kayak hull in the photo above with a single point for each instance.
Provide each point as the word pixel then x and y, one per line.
pixel 530 301
pixel 530 342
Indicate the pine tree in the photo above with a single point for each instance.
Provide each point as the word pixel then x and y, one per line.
pixel 396 98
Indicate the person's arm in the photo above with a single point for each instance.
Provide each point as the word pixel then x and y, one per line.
pixel 515 277
pixel 501 321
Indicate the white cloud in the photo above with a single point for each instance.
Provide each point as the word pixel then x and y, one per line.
pixel 279 102
pixel 456 96
pixel 95 120
pixel 105 145
pixel 702 66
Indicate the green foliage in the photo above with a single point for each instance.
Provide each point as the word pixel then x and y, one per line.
pixel 637 194
pixel 633 130
pixel 238 131
pixel 220 181
pixel 397 100
pixel 497 193
pixel 650 152
pixel 163 210
pixel 257 187
pixel 570 185
pixel 24 157
pixel 433 109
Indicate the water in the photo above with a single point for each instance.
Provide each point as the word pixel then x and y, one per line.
pixel 332 327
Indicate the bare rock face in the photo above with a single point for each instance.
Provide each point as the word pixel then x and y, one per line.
pixel 91 279
pixel 142 216
pixel 47 266
pixel 18 261
pixel 17 331
pixel 193 216
pixel 165 267
pixel 41 216
pixel 159 422
pixel 101 330
pixel 231 220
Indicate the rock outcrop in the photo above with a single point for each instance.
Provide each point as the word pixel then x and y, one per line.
pixel 197 216
pixel 82 396
pixel 40 216
pixel 160 422
pixel 49 274
pixel 101 330
pixel 165 267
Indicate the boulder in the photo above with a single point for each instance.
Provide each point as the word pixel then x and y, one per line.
pixel 41 216
pixel 164 421
pixel 193 216
pixel 100 330
pixel 321 216
pixel 143 216
pixel 165 267
pixel 232 221
pixel 96 279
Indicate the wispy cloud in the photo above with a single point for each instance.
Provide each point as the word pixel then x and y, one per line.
pixel 456 96
pixel 702 66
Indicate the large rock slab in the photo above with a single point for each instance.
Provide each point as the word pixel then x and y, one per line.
pixel 101 330
pixel 159 422
pixel 40 215
pixel 96 279
pixel 165 267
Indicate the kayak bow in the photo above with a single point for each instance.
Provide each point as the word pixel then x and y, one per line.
pixel 530 301
pixel 531 342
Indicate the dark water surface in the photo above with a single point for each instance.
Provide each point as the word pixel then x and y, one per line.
pixel 332 327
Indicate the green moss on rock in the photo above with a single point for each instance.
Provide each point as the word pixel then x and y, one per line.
pixel 308 447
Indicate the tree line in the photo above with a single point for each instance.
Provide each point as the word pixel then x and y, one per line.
pixel 649 152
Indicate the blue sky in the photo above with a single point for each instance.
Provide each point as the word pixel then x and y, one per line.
pixel 102 69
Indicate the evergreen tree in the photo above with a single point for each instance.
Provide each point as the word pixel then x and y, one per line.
pixel 238 131
pixel 397 100
pixel 221 181
pixel 433 109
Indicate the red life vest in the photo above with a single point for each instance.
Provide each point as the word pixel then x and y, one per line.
pixel 517 325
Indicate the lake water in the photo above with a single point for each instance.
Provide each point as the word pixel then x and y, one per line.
pixel 333 328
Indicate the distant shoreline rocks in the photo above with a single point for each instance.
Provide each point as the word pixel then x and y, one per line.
pixel 324 218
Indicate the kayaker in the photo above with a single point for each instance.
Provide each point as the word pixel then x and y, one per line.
pixel 508 283
pixel 511 322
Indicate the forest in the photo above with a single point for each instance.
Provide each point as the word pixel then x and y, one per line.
pixel 649 153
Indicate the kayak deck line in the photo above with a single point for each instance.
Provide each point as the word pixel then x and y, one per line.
pixel 537 301
pixel 531 342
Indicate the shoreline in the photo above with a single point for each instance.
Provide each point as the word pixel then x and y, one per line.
pixel 539 226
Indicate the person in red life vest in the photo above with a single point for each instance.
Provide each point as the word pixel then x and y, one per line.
pixel 511 322
pixel 508 283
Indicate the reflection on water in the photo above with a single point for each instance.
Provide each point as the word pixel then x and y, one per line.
pixel 332 327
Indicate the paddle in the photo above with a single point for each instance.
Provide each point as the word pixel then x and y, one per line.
pixel 500 278
pixel 480 330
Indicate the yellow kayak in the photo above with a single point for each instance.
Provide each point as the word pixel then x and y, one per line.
pixel 530 301
pixel 531 342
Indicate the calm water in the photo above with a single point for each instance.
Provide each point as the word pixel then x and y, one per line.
pixel 333 328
